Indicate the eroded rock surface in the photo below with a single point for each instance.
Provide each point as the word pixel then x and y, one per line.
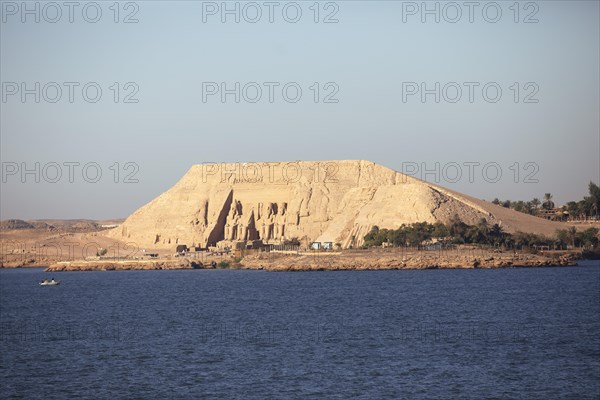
pixel 327 201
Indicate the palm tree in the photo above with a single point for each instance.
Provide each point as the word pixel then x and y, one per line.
pixel 594 198
pixel 483 230
pixel 573 234
pixel 496 233
pixel 548 204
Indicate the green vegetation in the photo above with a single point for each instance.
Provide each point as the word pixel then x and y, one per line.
pixel 458 232
pixel 455 232
pixel 223 265
pixel 530 207
pixel 586 239
pixel 411 235
pixel 588 207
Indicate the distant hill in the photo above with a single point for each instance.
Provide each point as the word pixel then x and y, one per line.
pixel 41 225
pixel 76 225
pixel 10 224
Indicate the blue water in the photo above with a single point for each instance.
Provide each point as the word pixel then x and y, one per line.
pixel 507 333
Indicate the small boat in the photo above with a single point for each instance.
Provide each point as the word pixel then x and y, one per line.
pixel 46 282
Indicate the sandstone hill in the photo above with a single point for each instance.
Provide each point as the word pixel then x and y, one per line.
pixel 328 201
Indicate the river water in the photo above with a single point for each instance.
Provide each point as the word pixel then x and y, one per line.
pixel 501 333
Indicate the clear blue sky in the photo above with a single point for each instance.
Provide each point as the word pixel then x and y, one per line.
pixel 373 49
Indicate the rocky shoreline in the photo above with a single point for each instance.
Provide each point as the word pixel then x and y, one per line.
pixel 123 265
pixel 395 261
pixel 334 262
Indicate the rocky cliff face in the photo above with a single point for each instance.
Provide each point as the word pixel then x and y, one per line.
pixel 328 201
